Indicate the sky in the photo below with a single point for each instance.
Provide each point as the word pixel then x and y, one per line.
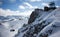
pixel 23 7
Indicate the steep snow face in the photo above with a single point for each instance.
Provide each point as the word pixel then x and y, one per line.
pixel 46 25
pixel 57 14
pixel 4 32
pixel 52 27
pixel 57 34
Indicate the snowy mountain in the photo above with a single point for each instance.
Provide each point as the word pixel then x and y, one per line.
pixel 41 23
pixel 44 24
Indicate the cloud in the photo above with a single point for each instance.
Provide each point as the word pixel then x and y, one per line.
pixel 45 4
pixel 28 5
pixel 35 0
pixel 8 12
pixel 57 6
pixel 21 7
pixel 26 13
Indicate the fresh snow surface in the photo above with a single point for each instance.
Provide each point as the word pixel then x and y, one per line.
pixel 57 34
pixel 7 25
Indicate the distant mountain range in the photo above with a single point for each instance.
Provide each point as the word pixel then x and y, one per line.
pixel 3 18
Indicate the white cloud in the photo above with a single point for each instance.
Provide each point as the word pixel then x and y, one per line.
pixel 28 5
pixel 36 7
pixel 26 13
pixel 21 7
pixel 45 4
pixel 57 6
pixel 10 12
pixel 35 0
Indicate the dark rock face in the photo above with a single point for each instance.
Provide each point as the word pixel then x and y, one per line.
pixel 0 24
pixel 37 12
pixel 12 30
pixel 45 8
pixel 49 8
pixel 34 15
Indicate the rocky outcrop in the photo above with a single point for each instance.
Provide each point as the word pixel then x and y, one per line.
pixel 34 15
pixel 40 24
pixel 38 11
pixel 47 27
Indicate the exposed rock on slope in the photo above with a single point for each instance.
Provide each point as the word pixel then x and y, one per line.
pixel 45 25
pixel 34 15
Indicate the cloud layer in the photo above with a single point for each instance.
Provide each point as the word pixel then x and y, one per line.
pixel 27 5
pixel 8 12
pixel 35 0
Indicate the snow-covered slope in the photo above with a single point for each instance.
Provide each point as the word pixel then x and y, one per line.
pixel 52 26
pixel 57 34
pixel 46 25
pixel 9 27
